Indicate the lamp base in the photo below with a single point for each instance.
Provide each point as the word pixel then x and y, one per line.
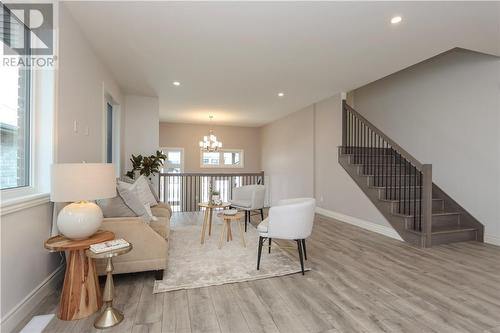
pixel 79 220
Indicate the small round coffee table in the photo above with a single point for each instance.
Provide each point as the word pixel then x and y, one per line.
pixel 81 295
pixel 110 316
pixel 226 227
pixel 207 220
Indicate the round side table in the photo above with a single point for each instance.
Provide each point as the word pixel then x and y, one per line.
pixel 81 295
pixel 207 220
pixel 110 316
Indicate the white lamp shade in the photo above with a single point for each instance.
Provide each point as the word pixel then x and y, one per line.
pixel 73 182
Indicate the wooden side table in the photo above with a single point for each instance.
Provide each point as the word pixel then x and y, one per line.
pixel 110 316
pixel 207 220
pixel 226 228
pixel 81 295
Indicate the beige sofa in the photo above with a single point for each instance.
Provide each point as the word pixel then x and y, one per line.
pixel 150 242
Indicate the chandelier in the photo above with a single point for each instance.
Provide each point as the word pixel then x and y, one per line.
pixel 210 142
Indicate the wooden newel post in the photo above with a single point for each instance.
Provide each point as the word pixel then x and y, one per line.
pixel 427 205
pixel 344 123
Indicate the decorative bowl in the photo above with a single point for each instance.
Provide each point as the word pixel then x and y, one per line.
pixel 230 211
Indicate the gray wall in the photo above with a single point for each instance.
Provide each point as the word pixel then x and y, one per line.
pixel 334 189
pixel 299 155
pixel 446 112
pixel 83 81
pixel 141 127
pixel 288 155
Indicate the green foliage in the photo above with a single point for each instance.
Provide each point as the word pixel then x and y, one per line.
pixel 146 165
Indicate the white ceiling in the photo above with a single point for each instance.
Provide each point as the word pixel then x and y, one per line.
pixel 232 58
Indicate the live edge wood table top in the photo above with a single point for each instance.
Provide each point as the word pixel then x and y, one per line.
pixel 81 295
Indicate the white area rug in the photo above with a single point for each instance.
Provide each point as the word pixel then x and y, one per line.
pixel 37 324
pixel 192 265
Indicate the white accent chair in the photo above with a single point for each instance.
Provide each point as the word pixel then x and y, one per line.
pixel 291 219
pixel 249 198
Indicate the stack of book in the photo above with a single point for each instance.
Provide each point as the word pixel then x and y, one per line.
pixel 114 244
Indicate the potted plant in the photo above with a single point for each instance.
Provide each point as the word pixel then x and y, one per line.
pixel 146 165
pixel 215 195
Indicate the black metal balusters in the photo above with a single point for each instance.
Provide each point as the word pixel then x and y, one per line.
pixel 381 159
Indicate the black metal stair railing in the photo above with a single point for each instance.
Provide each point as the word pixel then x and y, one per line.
pixel 397 174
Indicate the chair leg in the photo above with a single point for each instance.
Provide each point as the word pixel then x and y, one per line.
pixel 299 246
pixel 262 214
pixel 304 248
pixel 247 218
pixel 261 241
pixel 269 245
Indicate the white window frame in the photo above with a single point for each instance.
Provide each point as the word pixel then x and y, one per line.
pixel 165 150
pixel 221 164
pixel 42 125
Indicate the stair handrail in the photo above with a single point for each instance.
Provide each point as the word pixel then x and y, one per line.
pixel 374 128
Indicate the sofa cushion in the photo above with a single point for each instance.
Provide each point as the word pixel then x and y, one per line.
pixel 241 203
pixel 161 226
pixel 162 210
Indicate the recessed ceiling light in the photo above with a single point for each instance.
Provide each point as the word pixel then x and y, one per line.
pixel 396 19
pixel 176 83
pixel 281 94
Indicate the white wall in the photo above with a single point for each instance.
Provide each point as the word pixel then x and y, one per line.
pixel 142 121
pixel 446 112
pixel 83 82
pixel 25 263
pixel 26 267
pixel 288 154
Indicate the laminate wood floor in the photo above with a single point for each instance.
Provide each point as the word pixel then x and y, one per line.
pixel 360 282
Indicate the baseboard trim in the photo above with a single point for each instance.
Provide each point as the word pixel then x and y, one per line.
pixel 15 316
pixel 491 239
pixel 379 229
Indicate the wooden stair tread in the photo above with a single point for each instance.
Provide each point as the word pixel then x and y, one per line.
pixel 433 214
pixel 407 200
pixel 397 187
pixel 450 229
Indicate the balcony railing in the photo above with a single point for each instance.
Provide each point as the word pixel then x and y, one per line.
pixel 183 191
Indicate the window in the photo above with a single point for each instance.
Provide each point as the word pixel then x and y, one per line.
pixel 175 160
pixel 224 158
pixel 15 104
pixel 112 132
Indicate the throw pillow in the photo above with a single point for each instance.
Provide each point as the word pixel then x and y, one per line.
pixel 142 190
pixel 133 202
pixel 153 191
pixel 149 213
pixel 115 207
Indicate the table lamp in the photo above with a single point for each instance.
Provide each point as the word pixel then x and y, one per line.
pixel 80 183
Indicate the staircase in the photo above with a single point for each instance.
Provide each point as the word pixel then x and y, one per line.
pixel 401 187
